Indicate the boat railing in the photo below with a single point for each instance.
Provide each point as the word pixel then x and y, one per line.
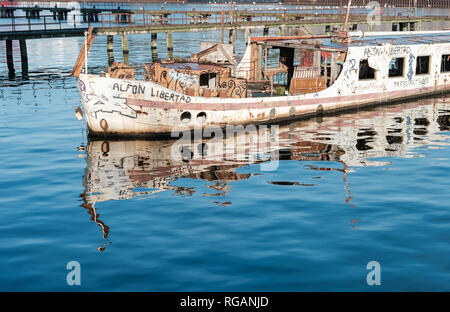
pixel 306 72
pixel 307 80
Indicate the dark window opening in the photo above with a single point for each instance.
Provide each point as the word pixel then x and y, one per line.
pixel 204 80
pixel 445 63
pixel 403 26
pixel 365 71
pixel 396 67
pixel 208 81
pixel 423 65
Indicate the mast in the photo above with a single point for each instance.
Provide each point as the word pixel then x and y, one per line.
pixel 347 15
pixel 343 34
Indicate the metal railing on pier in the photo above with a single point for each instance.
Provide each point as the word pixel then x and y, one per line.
pixel 147 18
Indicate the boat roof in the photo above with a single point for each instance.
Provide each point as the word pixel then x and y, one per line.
pixel 192 66
pixel 371 39
pixel 401 38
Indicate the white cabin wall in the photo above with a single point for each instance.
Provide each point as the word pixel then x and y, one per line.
pixel 348 82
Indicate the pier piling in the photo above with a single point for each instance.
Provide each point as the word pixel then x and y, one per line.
pixel 169 45
pixel 232 37
pixel 125 50
pixel 154 47
pixel 24 57
pixel 110 49
pixel 9 59
pixel 247 35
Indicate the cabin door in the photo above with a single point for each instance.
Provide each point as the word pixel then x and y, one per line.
pixel 287 59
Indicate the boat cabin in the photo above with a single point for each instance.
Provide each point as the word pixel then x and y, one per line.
pixel 304 65
pixel 197 79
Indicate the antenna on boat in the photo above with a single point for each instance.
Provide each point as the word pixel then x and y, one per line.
pixel 85 53
pixel 82 56
pixel 343 34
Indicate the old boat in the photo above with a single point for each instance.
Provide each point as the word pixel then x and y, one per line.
pixel 315 74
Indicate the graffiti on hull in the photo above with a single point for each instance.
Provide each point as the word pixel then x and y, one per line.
pixel 96 104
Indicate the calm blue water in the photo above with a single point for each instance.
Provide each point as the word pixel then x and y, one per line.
pixel 370 185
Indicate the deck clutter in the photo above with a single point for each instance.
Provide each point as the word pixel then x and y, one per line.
pixel 318 65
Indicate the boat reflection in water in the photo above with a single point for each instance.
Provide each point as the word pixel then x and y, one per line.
pixel 120 170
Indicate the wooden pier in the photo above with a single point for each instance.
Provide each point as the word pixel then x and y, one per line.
pixel 123 22
pixel 61 13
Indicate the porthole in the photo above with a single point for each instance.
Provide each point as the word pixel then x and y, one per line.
pixel 292 112
pixel 319 110
pixel 185 117
pixel 272 113
pixel 201 117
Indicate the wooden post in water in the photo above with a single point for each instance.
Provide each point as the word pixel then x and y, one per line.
pixel 247 35
pixel 125 50
pixel 232 37
pixel 9 59
pixel 110 49
pixel 24 58
pixel 169 45
pixel 154 47
pixel 222 22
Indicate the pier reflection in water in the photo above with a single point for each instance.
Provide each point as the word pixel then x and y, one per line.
pixel 124 169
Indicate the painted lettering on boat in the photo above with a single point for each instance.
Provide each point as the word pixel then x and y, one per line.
pixel 396 50
pixel 125 87
pixel 352 69
pixel 410 65
pixel 418 82
pixel 170 96
pixel 390 50
pixel 371 51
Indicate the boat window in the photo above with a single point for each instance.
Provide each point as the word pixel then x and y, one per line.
pixel 208 80
pixel 423 65
pixel 445 63
pixel 396 67
pixel 365 71
pixel 204 80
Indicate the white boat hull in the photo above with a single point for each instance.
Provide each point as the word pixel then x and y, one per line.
pixel 134 108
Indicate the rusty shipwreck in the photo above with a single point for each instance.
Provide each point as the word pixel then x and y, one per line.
pixel 313 75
